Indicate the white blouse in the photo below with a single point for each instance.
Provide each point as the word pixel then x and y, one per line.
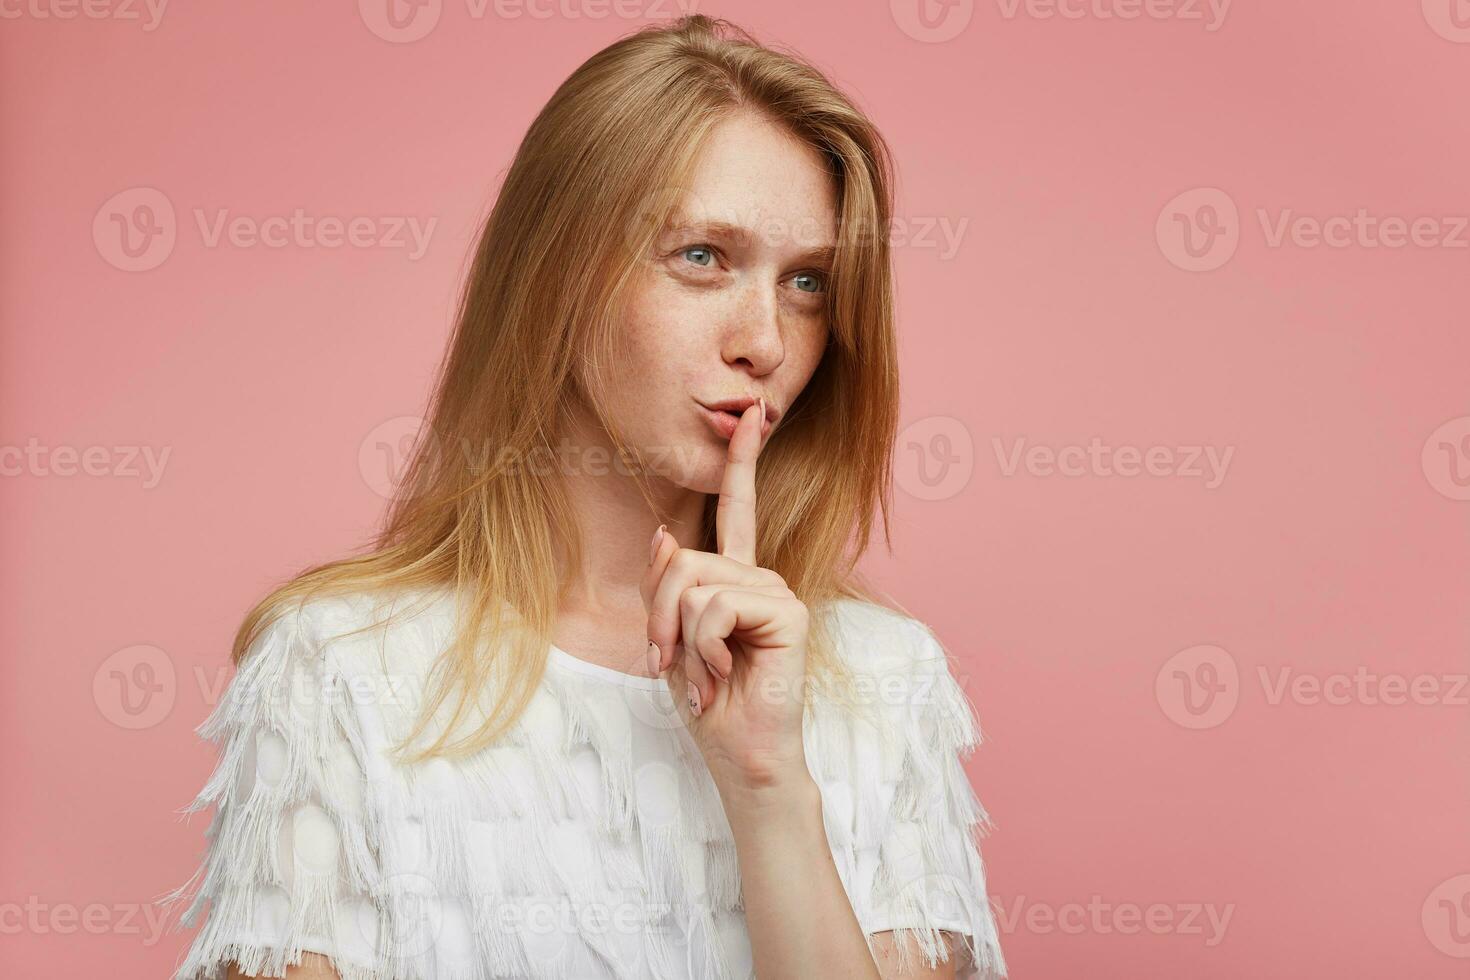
pixel 590 842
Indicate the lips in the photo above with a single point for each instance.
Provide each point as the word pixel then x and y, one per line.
pixel 737 406
pixel 724 421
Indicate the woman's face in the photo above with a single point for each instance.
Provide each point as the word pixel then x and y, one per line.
pixel 729 303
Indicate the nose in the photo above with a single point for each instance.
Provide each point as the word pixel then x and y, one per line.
pixel 753 334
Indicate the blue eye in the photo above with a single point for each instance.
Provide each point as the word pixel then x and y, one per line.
pixel 700 249
pixel 816 281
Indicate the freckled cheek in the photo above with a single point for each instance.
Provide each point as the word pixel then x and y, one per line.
pixel 661 360
pixel 675 329
pixel 809 343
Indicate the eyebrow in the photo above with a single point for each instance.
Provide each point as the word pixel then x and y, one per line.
pixel 820 255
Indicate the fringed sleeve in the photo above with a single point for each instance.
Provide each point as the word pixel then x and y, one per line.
pixel 930 878
pixel 291 862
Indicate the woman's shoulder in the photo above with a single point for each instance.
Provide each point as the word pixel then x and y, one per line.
pixel 353 632
pixel 878 639
pixel 339 612
pixel 901 667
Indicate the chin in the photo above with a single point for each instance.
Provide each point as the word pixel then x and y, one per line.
pixel 701 476
pixel 710 484
pixel 697 464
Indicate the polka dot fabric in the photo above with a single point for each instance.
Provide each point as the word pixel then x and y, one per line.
pixel 589 842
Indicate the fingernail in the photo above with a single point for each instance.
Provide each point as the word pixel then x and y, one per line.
pixel 658 539
pixel 763 412
pixel 653 658
pixel 694 699
pixel 716 671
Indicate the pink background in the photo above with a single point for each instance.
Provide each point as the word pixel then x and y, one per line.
pixel 1333 834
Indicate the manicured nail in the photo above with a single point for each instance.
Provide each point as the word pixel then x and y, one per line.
pixel 694 699
pixel 763 413
pixel 716 671
pixel 653 658
pixel 658 539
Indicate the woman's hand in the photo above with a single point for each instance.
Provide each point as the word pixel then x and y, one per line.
pixel 731 638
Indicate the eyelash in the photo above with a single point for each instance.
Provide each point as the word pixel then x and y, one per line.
pixel 714 252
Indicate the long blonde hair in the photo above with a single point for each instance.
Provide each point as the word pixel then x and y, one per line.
pixel 596 176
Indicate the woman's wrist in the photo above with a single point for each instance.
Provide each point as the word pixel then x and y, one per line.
pixel 770 797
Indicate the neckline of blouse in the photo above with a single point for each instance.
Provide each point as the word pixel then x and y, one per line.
pixel 607 674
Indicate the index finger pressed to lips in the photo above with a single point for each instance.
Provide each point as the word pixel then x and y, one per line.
pixel 735 512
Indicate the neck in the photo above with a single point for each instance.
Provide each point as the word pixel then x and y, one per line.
pixel 615 521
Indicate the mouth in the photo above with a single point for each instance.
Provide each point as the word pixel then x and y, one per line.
pixel 724 416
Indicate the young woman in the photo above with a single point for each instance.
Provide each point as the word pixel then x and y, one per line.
pixel 606 698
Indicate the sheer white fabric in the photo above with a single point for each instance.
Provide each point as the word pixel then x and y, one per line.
pixel 588 843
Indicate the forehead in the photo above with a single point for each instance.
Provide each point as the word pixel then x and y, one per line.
pixel 753 175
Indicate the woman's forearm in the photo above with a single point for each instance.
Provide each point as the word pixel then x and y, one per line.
pixel 800 921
